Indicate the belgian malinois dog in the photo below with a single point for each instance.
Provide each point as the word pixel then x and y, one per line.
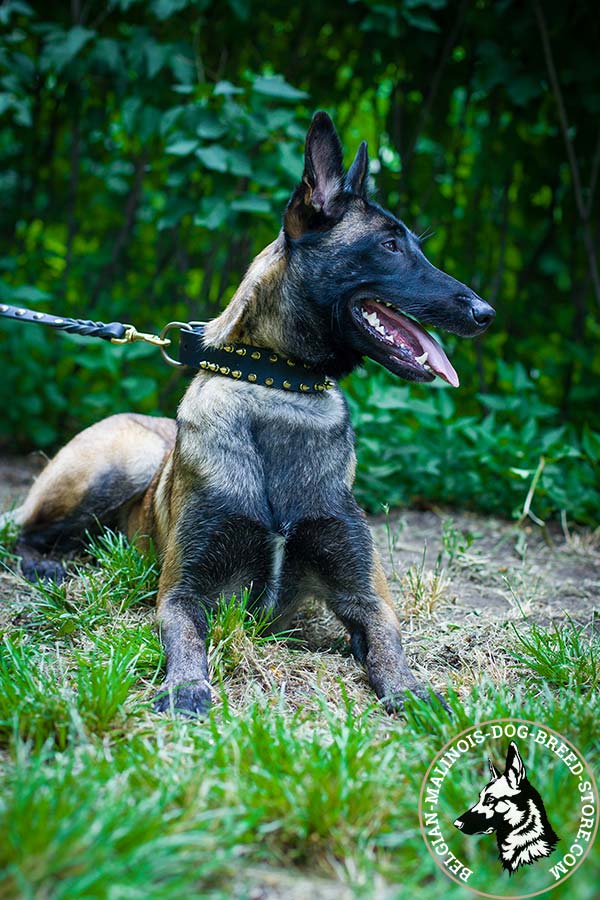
pixel 252 485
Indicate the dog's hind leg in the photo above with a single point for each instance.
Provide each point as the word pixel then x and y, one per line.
pixel 92 481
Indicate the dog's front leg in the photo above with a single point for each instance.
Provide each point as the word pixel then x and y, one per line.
pixel 376 640
pixel 183 631
pixel 340 553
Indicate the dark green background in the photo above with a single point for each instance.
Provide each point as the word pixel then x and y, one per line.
pixel 148 148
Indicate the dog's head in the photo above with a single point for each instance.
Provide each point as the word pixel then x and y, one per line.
pixel 365 271
pixel 498 804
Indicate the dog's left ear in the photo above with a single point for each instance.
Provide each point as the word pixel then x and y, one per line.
pixel 312 205
pixel 493 770
pixel 515 769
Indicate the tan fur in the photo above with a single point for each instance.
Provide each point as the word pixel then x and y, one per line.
pixel 131 444
pixel 246 318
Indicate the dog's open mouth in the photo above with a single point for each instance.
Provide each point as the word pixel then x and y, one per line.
pixel 401 344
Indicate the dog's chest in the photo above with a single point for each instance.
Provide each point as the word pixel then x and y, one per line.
pixel 285 457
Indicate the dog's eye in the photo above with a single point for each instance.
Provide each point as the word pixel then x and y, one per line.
pixel 392 246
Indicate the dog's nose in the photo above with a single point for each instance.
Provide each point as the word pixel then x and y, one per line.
pixel 458 823
pixel 482 312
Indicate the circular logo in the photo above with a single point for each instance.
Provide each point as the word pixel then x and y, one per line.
pixel 509 809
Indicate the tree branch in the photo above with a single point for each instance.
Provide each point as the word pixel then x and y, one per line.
pixel 582 208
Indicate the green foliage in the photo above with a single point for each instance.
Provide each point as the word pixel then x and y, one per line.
pixel 414 446
pixel 148 150
pixel 234 631
pixel 564 655
pixel 41 700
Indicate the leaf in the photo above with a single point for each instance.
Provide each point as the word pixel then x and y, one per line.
pixel 61 47
pixel 109 53
pixel 251 204
pixel 213 157
pixel 241 9
pixel 213 213
pixel 156 56
pixel 226 89
pixel 276 86
pixel 164 9
pixel 590 442
pixel 209 125
pixel 182 148
pixel 238 163
pixel 421 21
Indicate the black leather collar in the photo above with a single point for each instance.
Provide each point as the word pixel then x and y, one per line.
pixel 258 365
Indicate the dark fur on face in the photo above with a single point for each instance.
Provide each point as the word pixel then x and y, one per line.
pixel 347 255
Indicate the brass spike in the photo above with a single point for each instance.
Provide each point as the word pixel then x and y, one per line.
pixel 304 387
pixel 319 387
pixel 273 357
pixel 306 365
pixel 287 385
pixel 251 377
pixel 268 382
pixel 21 312
pixel 241 351
pixel 38 315
pixel 213 367
pixel 255 355
pixel 224 370
pixel 236 373
pixel 204 364
pixel 329 385
pixel 291 362
pixel 227 348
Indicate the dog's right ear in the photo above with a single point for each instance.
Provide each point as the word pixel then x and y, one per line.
pixel 311 206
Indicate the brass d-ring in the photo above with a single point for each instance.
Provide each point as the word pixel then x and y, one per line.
pixel 163 352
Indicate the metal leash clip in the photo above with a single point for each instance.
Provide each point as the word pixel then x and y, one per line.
pixel 132 335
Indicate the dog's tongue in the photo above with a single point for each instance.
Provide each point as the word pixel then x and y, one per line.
pixel 417 338
pixel 436 359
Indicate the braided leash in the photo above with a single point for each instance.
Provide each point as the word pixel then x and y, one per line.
pixel 115 332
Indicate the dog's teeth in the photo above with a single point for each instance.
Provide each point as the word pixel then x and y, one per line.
pixel 365 314
pixel 427 368
pixel 422 359
pixel 380 329
pixel 372 318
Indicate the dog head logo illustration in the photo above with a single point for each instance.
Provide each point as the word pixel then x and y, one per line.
pixel 510 806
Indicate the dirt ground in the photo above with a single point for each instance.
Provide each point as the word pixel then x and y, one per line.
pixel 462 582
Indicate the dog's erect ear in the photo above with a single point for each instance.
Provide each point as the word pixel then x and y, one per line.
pixel 356 179
pixel 515 770
pixel 493 770
pixel 312 202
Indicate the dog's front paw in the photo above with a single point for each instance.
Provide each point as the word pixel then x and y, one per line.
pixel 43 569
pixel 395 702
pixel 190 699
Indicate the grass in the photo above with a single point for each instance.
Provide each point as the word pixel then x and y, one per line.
pixel 296 773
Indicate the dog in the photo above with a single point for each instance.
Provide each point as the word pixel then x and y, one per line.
pixel 511 807
pixel 252 485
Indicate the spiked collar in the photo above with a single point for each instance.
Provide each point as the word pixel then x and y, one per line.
pixel 258 365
